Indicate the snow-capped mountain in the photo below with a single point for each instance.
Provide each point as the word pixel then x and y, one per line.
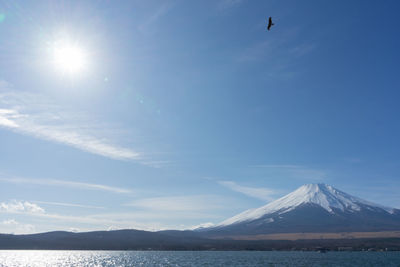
pixel 325 196
pixel 314 208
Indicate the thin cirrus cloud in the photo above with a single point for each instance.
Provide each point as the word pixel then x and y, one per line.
pixel 35 115
pixel 62 204
pixel 63 183
pixel 255 192
pixel 281 53
pixel 179 203
pixel 157 14
pixel 228 4
pixel 293 171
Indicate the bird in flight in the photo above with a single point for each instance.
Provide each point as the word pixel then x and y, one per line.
pixel 270 24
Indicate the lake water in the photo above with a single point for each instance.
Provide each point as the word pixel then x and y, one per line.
pixel 11 258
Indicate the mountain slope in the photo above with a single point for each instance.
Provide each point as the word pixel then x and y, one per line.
pixel 313 208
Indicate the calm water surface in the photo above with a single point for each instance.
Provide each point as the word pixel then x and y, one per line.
pixel 195 258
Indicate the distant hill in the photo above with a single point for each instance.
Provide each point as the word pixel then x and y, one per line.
pixel 311 217
pixel 109 240
pixel 179 240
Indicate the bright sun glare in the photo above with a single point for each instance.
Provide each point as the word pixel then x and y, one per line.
pixel 69 58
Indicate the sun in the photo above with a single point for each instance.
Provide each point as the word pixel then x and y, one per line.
pixel 69 58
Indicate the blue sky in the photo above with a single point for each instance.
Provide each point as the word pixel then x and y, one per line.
pixel 189 112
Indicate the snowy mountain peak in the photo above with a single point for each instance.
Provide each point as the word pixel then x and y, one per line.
pixel 325 196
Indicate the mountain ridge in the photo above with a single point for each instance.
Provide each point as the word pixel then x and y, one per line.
pixel 311 208
pixel 323 195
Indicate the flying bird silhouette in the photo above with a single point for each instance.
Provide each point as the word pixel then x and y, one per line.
pixel 270 24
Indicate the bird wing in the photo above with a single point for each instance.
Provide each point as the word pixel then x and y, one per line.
pixel 269 23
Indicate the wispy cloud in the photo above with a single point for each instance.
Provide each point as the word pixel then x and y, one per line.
pixel 178 203
pixel 146 220
pixel 162 216
pixel 256 192
pixel 68 204
pixel 280 54
pixel 12 226
pixel 257 51
pixel 227 4
pixel 302 49
pixel 294 171
pixel 377 191
pixel 278 166
pixel 269 49
pixel 31 209
pixel 63 183
pixel 20 207
pixel 158 13
pixel 353 160
pixel 37 116
pixel 156 163
pixel 146 214
pixel 7 117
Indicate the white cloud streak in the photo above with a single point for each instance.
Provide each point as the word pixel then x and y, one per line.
pixel 63 183
pixel 255 192
pixel 178 203
pixel 68 205
pixel 20 207
pixel 37 116
pixel 6 118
